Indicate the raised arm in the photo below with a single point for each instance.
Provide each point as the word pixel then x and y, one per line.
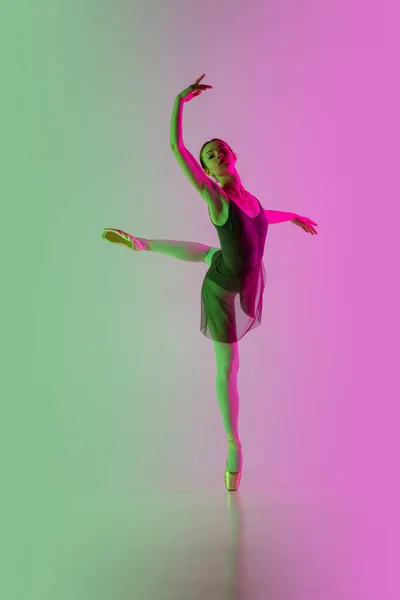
pixel 189 165
pixel 185 159
pixel 176 138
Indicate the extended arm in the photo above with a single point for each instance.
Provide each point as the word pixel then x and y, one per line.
pixel 276 216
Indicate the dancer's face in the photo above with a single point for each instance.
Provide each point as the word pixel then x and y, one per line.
pixel 219 159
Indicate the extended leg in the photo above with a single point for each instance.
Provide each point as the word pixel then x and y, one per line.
pixel 188 251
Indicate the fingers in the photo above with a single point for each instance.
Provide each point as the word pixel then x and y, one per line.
pixel 200 89
pixel 198 81
pixel 310 226
pixel 310 230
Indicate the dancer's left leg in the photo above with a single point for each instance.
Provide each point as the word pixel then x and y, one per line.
pixel 227 357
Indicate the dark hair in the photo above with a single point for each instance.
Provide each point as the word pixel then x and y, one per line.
pixel 203 164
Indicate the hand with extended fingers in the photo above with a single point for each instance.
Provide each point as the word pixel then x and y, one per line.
pixel 306 224
pixel 194 90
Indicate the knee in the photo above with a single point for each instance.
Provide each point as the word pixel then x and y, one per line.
pixel 227 369
pixel 227 358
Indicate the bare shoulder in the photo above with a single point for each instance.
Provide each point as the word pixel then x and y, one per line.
pixel 216 194
pixel 217 190
pixel 218 202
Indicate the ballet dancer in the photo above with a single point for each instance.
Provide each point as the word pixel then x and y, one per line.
pixel 233 287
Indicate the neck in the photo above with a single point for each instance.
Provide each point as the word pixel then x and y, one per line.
pixel 237 191
pixel 232 184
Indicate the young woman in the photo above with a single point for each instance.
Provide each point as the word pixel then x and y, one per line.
pixel 232 290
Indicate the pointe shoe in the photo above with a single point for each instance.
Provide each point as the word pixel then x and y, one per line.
pixel 232 480
pixel 116 236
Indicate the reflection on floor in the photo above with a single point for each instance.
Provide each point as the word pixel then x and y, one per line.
pixel 282 544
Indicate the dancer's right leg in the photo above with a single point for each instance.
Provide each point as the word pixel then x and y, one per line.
pixel 188 251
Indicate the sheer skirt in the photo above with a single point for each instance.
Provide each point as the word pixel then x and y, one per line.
pixel 231 306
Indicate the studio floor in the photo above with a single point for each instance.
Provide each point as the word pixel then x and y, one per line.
pixel 272 544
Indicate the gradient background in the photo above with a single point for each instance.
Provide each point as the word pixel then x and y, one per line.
pixel 108 385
